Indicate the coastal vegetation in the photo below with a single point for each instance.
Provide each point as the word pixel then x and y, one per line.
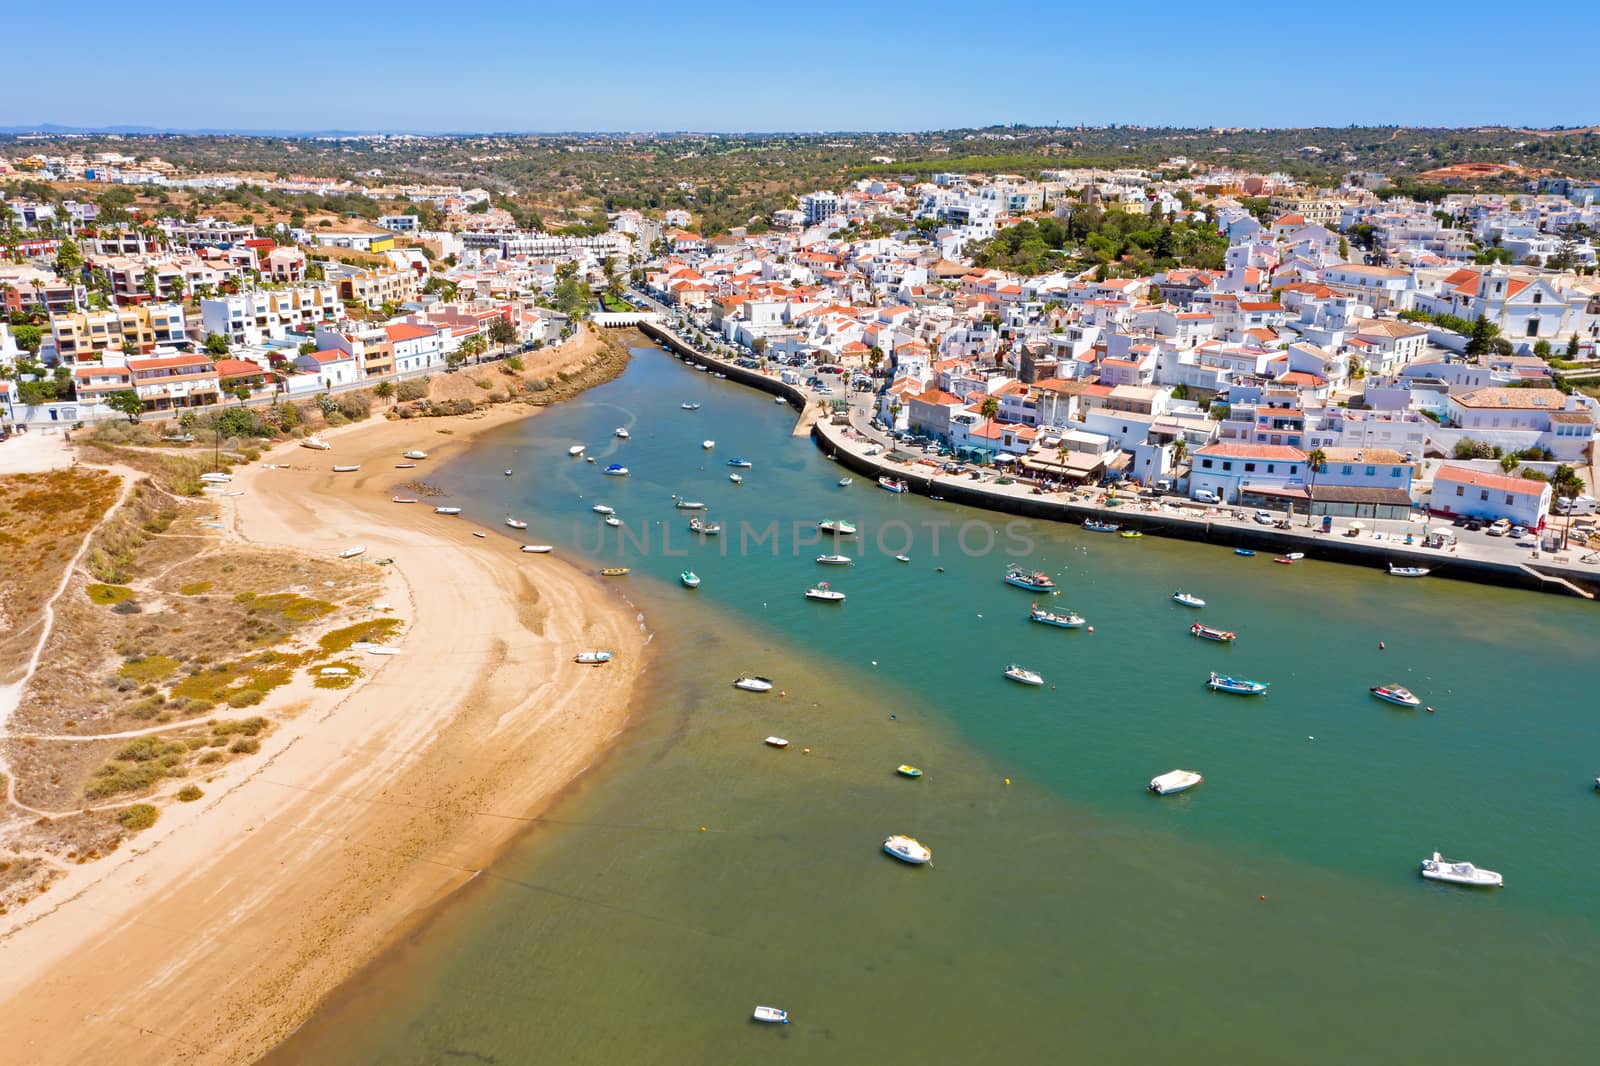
pixel 1115 241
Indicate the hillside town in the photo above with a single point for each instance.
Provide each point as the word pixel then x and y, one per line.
pixel 1231 337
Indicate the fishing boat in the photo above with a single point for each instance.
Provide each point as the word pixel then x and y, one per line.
pixel 402 499
pixel 1408 571
pixel 822 592
pixel 690 579
pixel 1222 636
pixel 836 526
pixel 907 771
pixel 447 510
pixel 1188 599
pixel 1130 534
pixel 575 451
pixel 415 453
pixel 835 560
pixel 601 508
pixel 1243 551
pixel 845 482
pixel 351 553
pixel 705 529
pixel 516 523
pixel 742 464
pixel 736 479
pixel 708 444
pixel 347 469
pixel 688 505
pixel 615 470
pixel 690 406
pixel 1238 686
pixel 1032 580
pixel 893 484
pixel 1069 620
pixel 1023 676
pixel 1439 868
pixel 772 1014
pixel 1174 781
pixel 613 520
pixel 907 849
pixel 776 742
pixel 1402 697
pixel 592 658
pixel 621 433
pixel 614 571
pixel 316 443
pixel 751 683
pixel 537 549
pixel 1094 525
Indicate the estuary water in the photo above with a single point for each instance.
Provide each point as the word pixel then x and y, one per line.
pixel 1275 912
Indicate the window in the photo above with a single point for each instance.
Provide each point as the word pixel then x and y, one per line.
pixel 1509 500
pixel 1250 468
pixel 1227 466
pixel 1533 327
pixel 1371 470
pixel 1205 464
pixel 1348 470
pixel 1272 468
pixel 1484 495
pixel 1395 472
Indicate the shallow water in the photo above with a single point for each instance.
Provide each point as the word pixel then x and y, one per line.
pixel 1069 913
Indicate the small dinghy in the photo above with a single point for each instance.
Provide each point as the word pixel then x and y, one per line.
pixel 1130 534
pixel 447 510
pixel 507 473
pixel 536 549
pixel 907 849
pixel 402 499
pixel 592 658
pixel 903 558
pixel 690 406
pixel 1222 636
pixel 844 481
pixel 575 451
pixel 480 534
pixel 824 593
pixel 333 671
pixel 621 433
pixel 1295 557
pixel 751 683
pixel 351 553
pixel 779 399
pixel 835 560
pixel 1023 676
pixel 1439 868
pixel 736 479
pixel 690 579
pixel 415 453
pixel 1402 697
pixel 688 505
pixel 1188 599
pixel 772 1014
pixel 1243 551
pixel 708 444
pixel 516 523
pixel 1283 559
pixel 705 529
pixel 907 771
pixel 613 520
pixel 349 469
pixel 1174 781
pixel 776 742
pixel 1097 526
pixel 405 466
pixel 614 571
pixel 1237 686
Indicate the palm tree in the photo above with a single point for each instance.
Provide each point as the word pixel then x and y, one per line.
pixel 1316 459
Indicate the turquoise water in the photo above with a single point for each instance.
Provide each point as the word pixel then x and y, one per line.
pixel 1069 913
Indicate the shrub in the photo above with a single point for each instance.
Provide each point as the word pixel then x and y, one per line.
pixel 355 406
pixel 415 389
pixel 139 816
pixel 106 595
pixel 245 746
pixel 245 697
pixel 195 588
pixel 190 793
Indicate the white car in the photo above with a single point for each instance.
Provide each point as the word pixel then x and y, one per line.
pixel 1263 518
pixel 1499 528
pixel 1206 497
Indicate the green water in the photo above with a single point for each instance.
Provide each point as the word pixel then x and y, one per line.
pixel 1069 915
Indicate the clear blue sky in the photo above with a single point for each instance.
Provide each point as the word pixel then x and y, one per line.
pixel 734 65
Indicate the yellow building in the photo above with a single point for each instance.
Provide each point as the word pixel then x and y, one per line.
pixel 89 336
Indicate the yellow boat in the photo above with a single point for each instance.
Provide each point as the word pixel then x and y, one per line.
pixel 907 771
pixel 614 571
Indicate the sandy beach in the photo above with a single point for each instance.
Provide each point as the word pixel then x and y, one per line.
pixel 212 936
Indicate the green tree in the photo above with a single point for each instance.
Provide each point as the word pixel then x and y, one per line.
pixel 1572 347
pixel 216 344
pixel 502 332
pixel 989 408
pixel 1483 337
pixel 126 401
pixel 1316 461
pixel 69 261
pixel 147 282
pixel 383 390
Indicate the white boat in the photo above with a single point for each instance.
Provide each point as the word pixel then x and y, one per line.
pixel 592 658
pixel 1023 676
pixel 689 505
pixel 1396 695
pixel 1295 556
pixel 779 399
pixel 575 451
pixel 708 444
pixel 893 484
pixel 771 1014
pixel 690 406
pixel 415 453
pixel 845 481
pixel 1408 571
pixel 334 671
pixel 903 558
pixel 375 650
pixel 1174 781
pixel 1188 599
pixel 837 526
pixel 613 520
pixel 907 849
pixel 405 466
pixel 1069 620
pixel 601 508
pixel 736 479
pixel 402 499
pixel 823 592
pixel 776 742
pixel 742 464
pixel 690 579
pixel 615 470
pixel 350 469
pixel 621 433
pixel 536 549
pixel 507 473
pixel 751 683
pixel 709 529
pixel 480 534
pixel 447 510
pixel 516 523
pixel 1439 868
pixel 218 478
pixel 316 444
pixel 835 560
pixel 351 553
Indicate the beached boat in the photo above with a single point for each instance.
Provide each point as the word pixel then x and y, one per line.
pixel 752 683
pixel 907 771
pixel 837 526
pixel 835 560
pixel 907 849
pixel 516 523
pixel 402 499
pixel 480 534
pixel 415 453
pixel 1220 635
pixel 348 468
pixel 575 451
pixel 1243 551
pixel 1188 599
pixel 1439 868
pixel 405 466
pixel 690 579
pixel 1047 618
pixel 613 520
pixel 1130 534
pixel 705 529
pixel 1409 571
pixel 893 484
pixel 845 482
pixel 334 671
pixel 1032 580
pixel 1402 697
pixel 601 508
pixel 614 571
pixel 1023 676
pixel 621 433
pixel 1174 781
pixel 351 553
pixel 218 478
pixel 1094 525
pixel 688 505
pixel 742 464
pixel 537 549
pixel 316 444
pixel 708 444
pixel 1238 686
pixel 447 510
pixel 690 406
pixel 772 1014
pixel 592 658
pixel 822 592
pixel 736 479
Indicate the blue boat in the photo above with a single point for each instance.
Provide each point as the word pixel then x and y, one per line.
pixel 1243 551
pixel 1032 580
pixel 1238 686
pixel 616 470
pixel 742 464
pixel 1095 526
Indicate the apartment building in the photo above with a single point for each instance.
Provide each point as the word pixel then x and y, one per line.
pixel 173 275
pixel 175 381
pixel 252 317
pixel 91 336
pixel 374 286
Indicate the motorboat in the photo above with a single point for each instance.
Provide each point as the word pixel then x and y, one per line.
pixel 415 453
pixel 893 484
pixel 1070 620
pixel 1188 599
pixel 836 526
pixel 1222 636
pixel 835 560
pixel 1409 571
pixel 1174 781
pixel 601 508
pixel 592 658
pixel 447 510
pixel 907 849
pixel 575 451
pixel 845 482
pixel 1094 525
pixel 1295 557
pixel 772 1014
pixel 1243 551
pixel 402 499
pixel 779 399
pixel 688 505
pixel 349 468
pixel 751 683
pixel 516 523
pixel 776 742
pixel 1238 686
pixel 708 444
pixel 902 558
pixel 822 592
pixel 351 553
pixel 690 579
pixel 1402 697
pixel 742 464
pixel 316 443
pixel 615 470
pixel 612 520
pixel 690 406
pixel 736 479
pixel 537 549
pixel 1023 676
pixel 1439 868
pixel 705 529
pixel 614 571
pixel 1032 580
pixel 621 433
pixel 1130 534
pixel 907 771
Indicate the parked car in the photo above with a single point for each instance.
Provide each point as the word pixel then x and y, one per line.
pixel 1518 532
pixel 1499 527
pixel 1206 496
pixel 1472 525
pixel 1263 518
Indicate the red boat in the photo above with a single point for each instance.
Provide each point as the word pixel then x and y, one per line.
pixel 1221 635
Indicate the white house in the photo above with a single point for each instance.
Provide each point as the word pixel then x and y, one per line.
pixel 332 366
pixel 1227 469
pixel 1460 490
